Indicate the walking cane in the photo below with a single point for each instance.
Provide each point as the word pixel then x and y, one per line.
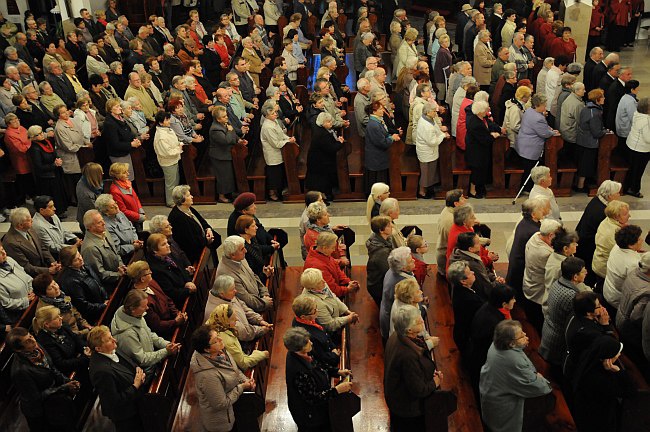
pixel 527 178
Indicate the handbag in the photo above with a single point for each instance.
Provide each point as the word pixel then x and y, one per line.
pixel 341 410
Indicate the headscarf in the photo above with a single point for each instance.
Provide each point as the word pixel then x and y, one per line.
pixel 219 319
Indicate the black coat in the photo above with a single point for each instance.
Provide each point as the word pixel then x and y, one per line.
pixel 86 291
pixel 33 117
pixel 605 82
pixel 211 62
pixel 113 381
pixel 322 345
pixel 255 258
pixel 580 333
pixel 288 108
pixel 42 161
pixel 322 173
pixel 481 335
pixel 478 142
pixel 613 96
pixel 117 136
pixel 172 279
pixel 588 74
pixel 66 349
pixel 172 66
pixel 465 302
pixel 507 93
pixel 119 82
pixel 189 235
pixel 526 228
pixel 263 237
pixel 64 89
pixel 36 384
pixel 308 391
pixel 593 215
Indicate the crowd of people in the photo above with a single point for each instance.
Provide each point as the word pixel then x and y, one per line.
pixel 111 89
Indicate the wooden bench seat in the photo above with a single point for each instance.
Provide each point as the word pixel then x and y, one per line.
pixel 611 165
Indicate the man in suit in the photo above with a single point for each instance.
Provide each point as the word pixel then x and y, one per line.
pixel 116 379
pixel 98 249
pixel 48 228
pixel 61 85
pixel 613 96
pixel 613 69
pixel 601 68
pixel 250 288
pixel 461 22
pixel 496 24
pixel 24 246
pixel 595 58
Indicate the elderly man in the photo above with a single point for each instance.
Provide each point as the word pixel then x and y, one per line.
pixel 121 230
pixel 249 287
pixel 15 288
pixel 98 249
pixel 23 244
pixel 250 325
pixel 148 48
pixel 595 58
pixel 224 96
pixel 371 64
pixel 542 180
pixel 322 86
pixel 503 54
pixel 136 89
pixel 61 85
pixel 363 52
pixel 361 101
pixel 518 56
pixel 48 228
pixel 135 340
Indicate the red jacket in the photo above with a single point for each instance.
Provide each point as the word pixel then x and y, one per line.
pixel 129 204
pixel 560 47
pixel 310 241
pixel 420 271
pixel 461 126
pixel 161 315
pixel 536 26
pixel 545 32
pixel 597 20
pixel 451 244
pixel 620 10
pixel 17 146
pixel 334 277
pixel 548 45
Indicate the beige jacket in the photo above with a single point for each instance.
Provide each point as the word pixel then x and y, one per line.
pixel 604 244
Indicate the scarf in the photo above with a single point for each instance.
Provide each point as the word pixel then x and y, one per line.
pixel 327 291
pixel 167 260
pixel 37 357
pixel 46 145
pixel 319 229
pixel 506 313
pixel 309 323
pixel 222 360
pixel 97 191
pixel 61 302
pixel 419 341
pixel 93 121
pixel 124 184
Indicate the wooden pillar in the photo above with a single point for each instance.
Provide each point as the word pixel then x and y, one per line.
pixel 578 17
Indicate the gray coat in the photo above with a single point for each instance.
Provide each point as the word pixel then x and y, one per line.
pixel 560 308
pixel 508 378
pixel 635 296
pixel 250 288
pixel 247 326
pixel 101 256
pixel 217 388
pixel 68 142
pixel 388 297
pixel 137 342
pixel 590 126
pixel 361 101
pixel 569 116
pixel 122 233
pixel 52 235
pixel 15 284
pixel 221 141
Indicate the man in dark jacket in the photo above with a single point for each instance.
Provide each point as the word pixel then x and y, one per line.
pixel 379 247
pixel 246 84
pixel 61 85
pixel 465 300
pixel 601 69
pixel 468 247
pixel 613 96
pixel 117 381
pixel 595 58
pixel 461 22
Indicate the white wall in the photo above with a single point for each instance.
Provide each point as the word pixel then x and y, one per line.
pixel 22 6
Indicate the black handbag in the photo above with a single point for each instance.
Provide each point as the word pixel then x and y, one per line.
pixel 341 410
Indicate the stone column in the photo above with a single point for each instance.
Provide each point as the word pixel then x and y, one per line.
pixel 578 17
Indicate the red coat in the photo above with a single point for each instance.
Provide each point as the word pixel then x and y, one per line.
pixel 545 33
pixel 421 270
pixel 561 47
pixel 310 241
pixel 619 12
pixel 451 244
pixel 597 20
pixel 129 204
pixel 162 312
pixel 548 45
pixel 536 26
pixel 336 280
pixel 17 146
pixel 461 126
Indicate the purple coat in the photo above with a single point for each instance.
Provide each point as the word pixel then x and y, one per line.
pixel 533 133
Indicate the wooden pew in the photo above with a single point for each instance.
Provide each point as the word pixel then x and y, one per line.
pixel 453 171
pixel 151 191
pixel 404 171
pixel 611 165
pixel 198 175
pixel 563 169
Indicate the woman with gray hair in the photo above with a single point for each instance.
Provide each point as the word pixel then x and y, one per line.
pixel 324 350
pixel 95 64
pixel 191 231
pixel 308 382
pixel 400 266
pixel 332 314
pixel 428 137
pixel 273 138
pixel 570 113
pixel 591 218
pixel 481 133
pixel 160 224
pixel 638 147
pixel 508 378
pixel 410 375
pixel 223 138
pixel 484 59
pixel 460 94
pixel 542 180
pixel 122 231
pixel 322 172
pixel 533 133
pixel 415 111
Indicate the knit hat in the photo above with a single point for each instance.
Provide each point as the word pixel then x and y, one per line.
pixel 244 200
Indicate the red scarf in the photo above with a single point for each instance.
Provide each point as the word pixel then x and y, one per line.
pixel 506 313
pixel 124 184
pixel 309 323
pixel 46 145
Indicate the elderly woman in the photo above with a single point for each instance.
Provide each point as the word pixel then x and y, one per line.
pixel 323 350
pixel 408 293
pixel 49 294
pixel 390 207
pixel 223 320
pixel 378 142
pixel 570 114
pixel 82 284
pixel 273 138
pixel 135 118
pixel 465 83
pixel 168 153
pixel 86 120
pixel 191 231
pixel 589 131
pixel 308 382
pixel 125 196
pixel 95 64
pixel 407 50
pixel 379 247
pixel 67 349
pixel 333 314
pixel 378 193
pixel 321 257
pixel 479 148
pixel 122 231
pixel 465 110
pixel 537 252
pixel 160 224
pixel 17 144
pixel 395 39
pixel 89 187
pixel 181 123
pixel 401 265
pixel 484 59
pixel 428 137
pixel 322 171
pixel 617 215
pixel 310 197
pixel 46 166
pixel 533 133
pixel 623 260
pixel 410 375
pixel 441 68
pixel 218 382
pixel 118 136
pixel 256 257
pixel 515 109
pixel 420 94
pixel 318 219
pixel 638 147
pixel 508 378
pixel 222 139
pixel 175 280
pixel 465 301
pixel 464 221
pixel 542 180
pixel 33 368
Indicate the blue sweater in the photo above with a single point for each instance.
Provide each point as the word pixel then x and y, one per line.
pixel 378 142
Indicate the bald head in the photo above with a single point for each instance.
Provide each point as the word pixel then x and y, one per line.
pixel 611 58
pixel 223 95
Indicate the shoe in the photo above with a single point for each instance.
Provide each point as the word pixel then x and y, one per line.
pixel 425 196
pixel 478 195
pixel 223 201
pixel 634 194
pixel 583 189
